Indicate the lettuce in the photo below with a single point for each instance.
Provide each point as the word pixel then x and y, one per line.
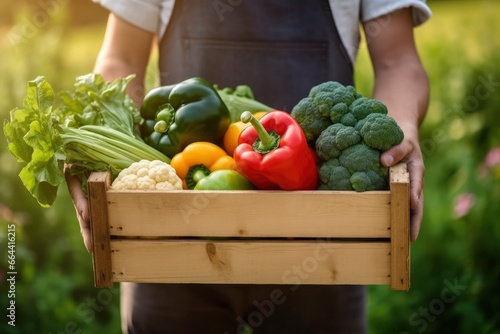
pixel 93 129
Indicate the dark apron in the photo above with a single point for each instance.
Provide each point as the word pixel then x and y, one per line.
pixel 280 49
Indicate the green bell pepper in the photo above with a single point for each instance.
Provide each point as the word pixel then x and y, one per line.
pixel 178 115
pixel 221 179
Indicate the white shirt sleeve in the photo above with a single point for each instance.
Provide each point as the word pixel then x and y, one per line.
pixel 150 15
pixel 372 9
pixel 348 15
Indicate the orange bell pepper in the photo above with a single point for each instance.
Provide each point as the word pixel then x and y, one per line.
pixel 233 132
pixel 200 155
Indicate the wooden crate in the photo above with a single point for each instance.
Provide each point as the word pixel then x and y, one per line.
pixel 251 237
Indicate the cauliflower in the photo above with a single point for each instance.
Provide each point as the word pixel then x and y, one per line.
pixel 148 175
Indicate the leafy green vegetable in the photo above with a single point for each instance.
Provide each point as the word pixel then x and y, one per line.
pixel 92 129
pixel 239 100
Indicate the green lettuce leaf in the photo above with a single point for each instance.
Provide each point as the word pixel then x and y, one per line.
pixel 97 102
pixel 93 129
pixel 32 139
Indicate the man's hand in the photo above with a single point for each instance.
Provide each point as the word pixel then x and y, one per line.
pixel 81 207
pixel 409 152
pixel 401 83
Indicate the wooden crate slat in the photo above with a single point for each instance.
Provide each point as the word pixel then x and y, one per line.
pixel 101 253
pixel 258 262
pixel 400 228
pixel 250 213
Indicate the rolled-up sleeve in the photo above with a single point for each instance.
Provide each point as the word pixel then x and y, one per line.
pixel 150 15
pixel 371 9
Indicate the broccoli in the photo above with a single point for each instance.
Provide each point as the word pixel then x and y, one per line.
pixel 326 146
pixel 381 132
pixel 328 86
pixel 333 176
pixel 312 122
pixel 349 133
pixel 360 158
pixel 370 180
pixel 313 113
pixel 349 120
pixel 334 139
pixel 338 111
pixel 364 106
pixel 357 167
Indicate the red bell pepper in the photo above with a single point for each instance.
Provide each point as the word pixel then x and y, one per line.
pixel 273 153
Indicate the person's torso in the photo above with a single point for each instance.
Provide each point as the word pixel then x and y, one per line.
pixel 280 48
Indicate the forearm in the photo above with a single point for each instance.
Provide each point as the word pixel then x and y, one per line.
pixel 112 68
pixel 404 87
pixel 401 83
pixel 125 50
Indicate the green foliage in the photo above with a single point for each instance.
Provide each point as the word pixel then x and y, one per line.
pixel 54 281
pixel 454 276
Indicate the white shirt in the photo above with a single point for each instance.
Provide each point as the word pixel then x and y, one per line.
pixel 154 15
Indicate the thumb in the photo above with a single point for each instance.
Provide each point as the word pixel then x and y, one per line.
pixel 394 155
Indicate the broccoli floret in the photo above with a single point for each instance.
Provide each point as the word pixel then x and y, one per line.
pixel 327 102
pixel 370 180
pixel 334 139
pixel 347 136
pixel 349 120
pixel 364 106
pixel 354 92
pixel 310 119
pixel 381 132
pixel 343 95
pixel 332 176
pixel 338 111
pixel 328 87
pixel 324 101
pixel 326 146
pixel 360 158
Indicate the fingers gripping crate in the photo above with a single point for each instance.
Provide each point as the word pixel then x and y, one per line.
pixel 252 236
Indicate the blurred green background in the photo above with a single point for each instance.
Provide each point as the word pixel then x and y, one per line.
pixel 455 267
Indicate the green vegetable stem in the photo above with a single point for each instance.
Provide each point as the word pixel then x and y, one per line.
pixel 93 129
pixel 239 100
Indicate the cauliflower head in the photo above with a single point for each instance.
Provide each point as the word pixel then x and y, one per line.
pixel 148 175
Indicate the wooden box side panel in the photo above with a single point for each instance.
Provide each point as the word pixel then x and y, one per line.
pixel 400 228
pixel 101 251
pixel 261 262
pixel 250 213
